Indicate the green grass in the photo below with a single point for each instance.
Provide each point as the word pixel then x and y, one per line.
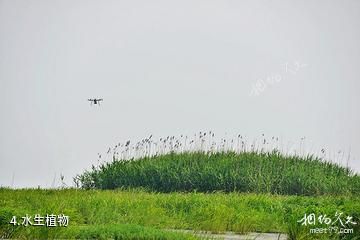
pixel 136 214
pixel 119 231
pixel 225 171
pixel 218 192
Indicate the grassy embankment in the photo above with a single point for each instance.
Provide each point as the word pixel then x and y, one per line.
pixel 250 191
pixel 226 171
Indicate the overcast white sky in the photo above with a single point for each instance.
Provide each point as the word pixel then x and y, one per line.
pixel 171 67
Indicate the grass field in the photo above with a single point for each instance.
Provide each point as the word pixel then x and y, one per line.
pixel 136 214
pixel 146 198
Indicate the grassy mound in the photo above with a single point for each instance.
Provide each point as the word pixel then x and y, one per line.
pixel 227 171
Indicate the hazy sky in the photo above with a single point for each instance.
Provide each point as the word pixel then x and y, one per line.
pixel 171 67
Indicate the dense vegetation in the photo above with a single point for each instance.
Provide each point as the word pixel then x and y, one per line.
pixel 137 214
pixel 193 183
pixel 257 172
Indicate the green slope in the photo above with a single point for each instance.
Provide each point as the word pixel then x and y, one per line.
pixel 244 172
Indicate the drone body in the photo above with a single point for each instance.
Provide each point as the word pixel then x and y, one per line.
pixel 95 101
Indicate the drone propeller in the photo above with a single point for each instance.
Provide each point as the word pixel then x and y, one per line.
pixel 95 101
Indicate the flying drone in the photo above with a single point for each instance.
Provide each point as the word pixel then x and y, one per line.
pixel 95 101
